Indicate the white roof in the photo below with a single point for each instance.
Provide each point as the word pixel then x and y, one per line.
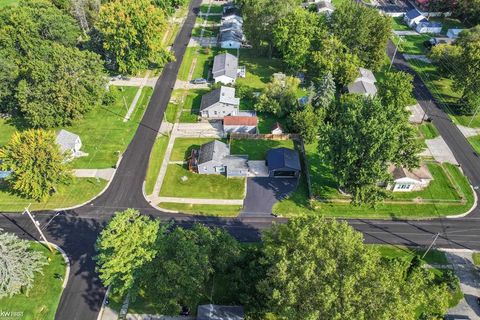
pixel 66 140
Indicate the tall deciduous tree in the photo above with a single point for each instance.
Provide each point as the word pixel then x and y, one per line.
pixel 396 89
pixel 18 265
pixel 132 31
pixel 307 123
pixel 279 97
pixel 320 269
pixel 124 247
pixel 364 139
pixel 363 30
pixel 36 163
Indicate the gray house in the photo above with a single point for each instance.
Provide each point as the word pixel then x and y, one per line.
pixel 214 158
pixel 364 84
pixel 219 103
pixel 283 163
pixel 225 68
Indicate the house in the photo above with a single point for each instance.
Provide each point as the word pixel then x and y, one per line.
pixel 240 124
pixel 232 16
pixel 225 68
pixel 214 158
pixel 219 103
pixel 231 39
pixel 324 7
pixel 454 33
pixel 69 142
pixel 216 312
pixel 283 163
pixel 426 26
pixel 364 84
pixel 277 128
pixel 413 17
pixel 405 180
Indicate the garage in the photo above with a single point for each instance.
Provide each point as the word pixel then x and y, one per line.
pixel 283 163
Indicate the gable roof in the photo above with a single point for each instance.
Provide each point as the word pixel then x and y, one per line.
pixel 412 14
pixel 225 64
pixel 231 35
pixel 283 158
pixel 421 173
pixel 215 312
pixel 277 126
pixel 240 121
pixel 429 24
pixel 366 75
pixel 223 94
pixel 213 151
pixel 362 87
pixel 324 5
pixel 66 140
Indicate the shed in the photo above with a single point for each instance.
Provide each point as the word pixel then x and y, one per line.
pixel 225 68
pixel 69 142
pixel 216 312
pixel 241 124
pixel 277 128
pixel 283 163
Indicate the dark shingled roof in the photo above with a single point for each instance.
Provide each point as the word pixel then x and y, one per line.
pixel 214 150
pixel 412 14
pixel 283 158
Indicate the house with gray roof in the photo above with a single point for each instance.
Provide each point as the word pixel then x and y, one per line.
pixel 214 158
pixel 70 143
pixel 364 84
pixel 225 68
pixel 283 163
pixel 426 26
pixel 413 17
pixel 219 103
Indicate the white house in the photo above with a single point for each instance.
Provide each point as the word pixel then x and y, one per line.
pixel 413 17
pixel 69 142
pixel 454 33
pixel 225 68
pixel 405 180
pixel 219 103
pixel 426 26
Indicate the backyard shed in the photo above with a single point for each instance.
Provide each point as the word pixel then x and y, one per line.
pixel 283 163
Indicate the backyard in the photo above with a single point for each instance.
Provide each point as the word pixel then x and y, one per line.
pixel 257 149
pixel 42 300
pixel 183 147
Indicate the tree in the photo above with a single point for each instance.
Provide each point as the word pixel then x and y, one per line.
pixel 18 265
pixel 365 138
pixel 324 91
pixel 469 11
pixel 123 248
pixel 279 97
pixel 131 31
pixel 185 263
pixel 396 89
pixel 445 57
pixel 36 163
pixel 318 268
pixel 363 30
pixel 307 123
pixel 292 36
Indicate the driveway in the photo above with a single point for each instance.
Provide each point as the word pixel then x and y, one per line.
pixel 263 193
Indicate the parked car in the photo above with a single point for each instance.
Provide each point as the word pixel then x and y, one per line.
pixel 199 81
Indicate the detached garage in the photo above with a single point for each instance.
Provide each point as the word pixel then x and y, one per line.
pixel 283 163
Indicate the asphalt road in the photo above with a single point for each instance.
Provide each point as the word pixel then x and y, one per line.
pixel 76 230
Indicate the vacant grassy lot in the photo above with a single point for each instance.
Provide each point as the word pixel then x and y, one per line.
pixel 203 209
pixel 259 69
pixel 42 300
pixel 78 191
pixel 200 185
pixel 257 149
pixel 155 162
pixel 183 147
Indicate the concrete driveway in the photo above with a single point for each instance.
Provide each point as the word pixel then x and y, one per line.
pixel 263 193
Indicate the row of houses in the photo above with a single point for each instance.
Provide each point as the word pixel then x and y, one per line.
pixel 231 29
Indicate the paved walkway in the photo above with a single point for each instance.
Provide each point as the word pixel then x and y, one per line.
pixel 198 201
pixel 469 283
pixel 468 132
pixel 406 33
pixel 106 174
pixel 417 114
pixel 137 96
pixel 420 57
pixel 134 82
pixel 440 151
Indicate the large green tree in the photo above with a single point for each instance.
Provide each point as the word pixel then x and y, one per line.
pixel 36 163
pixel 320 269
pixel 307 123
pixel 132 31
pixel 365 138
pixel 124 247
pixel 396 89
pixel 279 97
pixel 469 11
pixel 18 265
pixel 362 29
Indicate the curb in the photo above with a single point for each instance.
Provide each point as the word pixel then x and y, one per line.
pixel 474 206
pixel 65 257
pixel 102 308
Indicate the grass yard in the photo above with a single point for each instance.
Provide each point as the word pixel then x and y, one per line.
pixel 476 258
pixel 428 130
pixel 7 128
pixel 43 299
pixel 104 134
pixel 186 63
pixel 77 192
pixel 259 69
pixel 257 149
pixel 214 8
pixel 200 185
pixel 399 25
pixel 208 32
pixel 183 147
pixel 155 162
pixel 189 116
pixel 193 99
pixel 407 253
pixel 171 112
pixel 266 122
pixel 4 3
pixel 412 44
pixel 449 23
pixel 203 209
pixel 210 19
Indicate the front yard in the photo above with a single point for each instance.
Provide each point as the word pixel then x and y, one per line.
pixel 43 299
pixel 212 210
pixel 179 182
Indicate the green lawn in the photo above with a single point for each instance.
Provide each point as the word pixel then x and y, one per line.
pixel 259 69
pixel 475 142
pixel 407 253
pixel 208 32
pixel 104 134
pixel 155 162
pixel 476 258
pixel 203 63
pixel 267 120
pixel 428 130
pixel 77 192
pixel 7 128
pixel 186 63
pixel 183 147
pixel 42 300
pixel 214 8
pixel 210 19
pixel 171 112
pixel 399 25
pixel 4 3
pixel 193 99
pixel 189 116
pixel 449 23
pixel 257 149
pixel 203 209
pixel 412 44
pixel 200 185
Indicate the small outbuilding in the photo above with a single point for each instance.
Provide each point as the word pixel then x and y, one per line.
pixel 283 163
pixel 240 124
pixel 225 68
pixel 454 33
pixel 426 26
pixel 69 142
pixel 216 312
pixel 277 128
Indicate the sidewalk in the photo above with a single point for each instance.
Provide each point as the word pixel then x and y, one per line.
pixel 106 174
pixel 137 96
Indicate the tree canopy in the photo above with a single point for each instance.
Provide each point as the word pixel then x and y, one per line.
pixel 279 97
pixel 36 163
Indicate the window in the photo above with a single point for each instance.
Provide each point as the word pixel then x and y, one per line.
pixel 220 169
pixel 403 186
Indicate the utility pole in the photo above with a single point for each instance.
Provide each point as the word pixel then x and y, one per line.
pixel 27 211
pixel 431 245
pixel 473 117
pixel 400 39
